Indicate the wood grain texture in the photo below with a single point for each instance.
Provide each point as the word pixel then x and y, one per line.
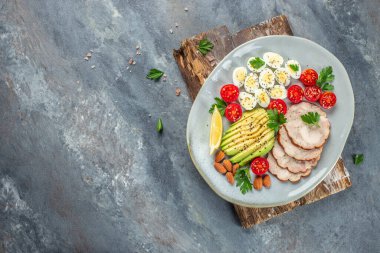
pixel 195 68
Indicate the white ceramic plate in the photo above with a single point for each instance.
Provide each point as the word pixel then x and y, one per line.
pixel 309 54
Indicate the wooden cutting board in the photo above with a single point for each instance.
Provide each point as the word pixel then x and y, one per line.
pixel 195 68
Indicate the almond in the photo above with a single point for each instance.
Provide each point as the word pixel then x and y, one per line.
pixel 219 156
pixel 220 168
pixel 235 168
pixel 228 165
pixel 258 183
pixel 230 178
pixel 266 181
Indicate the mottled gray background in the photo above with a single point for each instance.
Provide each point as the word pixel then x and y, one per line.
pixel 82 168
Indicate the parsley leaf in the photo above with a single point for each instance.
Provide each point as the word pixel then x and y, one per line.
pixel 205 46
pixel 243 180
pixel 257 62
pixel 358 158
pixel 327 87
pixel 294 67
pixel 159 126
pixel 276 119
pixel 311 118
pixel 220 104
pixel 325 78
pixel 154 74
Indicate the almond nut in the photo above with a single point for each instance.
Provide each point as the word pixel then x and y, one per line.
pixel 258 183
pixel 266 181
pixel 220 168
pixel 219 156
pixel 227 164
pixel 235 168
pixel 230 178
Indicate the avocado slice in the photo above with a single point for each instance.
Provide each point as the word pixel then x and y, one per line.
pixel 242 132
pixel 260 152
pixel 238 147
pixel 246 122
pixel 232 141
pixel 247 114
pixel 259 144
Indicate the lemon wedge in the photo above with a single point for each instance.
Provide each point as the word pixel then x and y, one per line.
pixel 216 130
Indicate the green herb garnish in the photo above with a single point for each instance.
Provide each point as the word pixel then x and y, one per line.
pixel 325 78
pixel 276 119
pixel 311 118
pixel 243 180
pixel 154 74
pixel 294 67
pixel 220 104
pixel 205 46
pixel 159 126
pixel 257 62
pixel 358 158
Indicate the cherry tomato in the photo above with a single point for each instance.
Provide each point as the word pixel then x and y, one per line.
pixel 259 166
pixel 313 93
pixel 229 93
pixel 309 77
pixel 295 94
pixel 278 104
pixel 233 112
pixel 327 100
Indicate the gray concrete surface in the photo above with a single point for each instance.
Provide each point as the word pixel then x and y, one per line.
pixel 82 168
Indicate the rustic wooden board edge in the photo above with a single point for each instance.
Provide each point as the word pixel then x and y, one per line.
pixel 195 68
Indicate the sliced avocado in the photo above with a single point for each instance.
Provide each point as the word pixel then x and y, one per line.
pixel 246 122
pixel 238 147
pixel 260 152
pixel 232 141
pixel 259 144
pixel 242 132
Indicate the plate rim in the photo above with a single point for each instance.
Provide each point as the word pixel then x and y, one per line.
pixel 291 199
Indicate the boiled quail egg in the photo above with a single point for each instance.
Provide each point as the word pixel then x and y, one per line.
pixel 247 101
pixel 282 76
pixel 251 83
pixel 294 68
pixel 262 97
pixel 256 64
pixel 239 76
pixel 266 78
pixel 278 91
pixel 273 60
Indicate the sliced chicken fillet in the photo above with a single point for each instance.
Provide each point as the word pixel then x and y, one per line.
pixel 303 135
pixel 283 174
pixel 295 151
pixel 293 165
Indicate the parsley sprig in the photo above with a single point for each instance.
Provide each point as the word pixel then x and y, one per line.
pixel 243 180
pixel 358 158
pixel 325 78
pixel 154 74
pixel 220 104
pixel 205 46
pixel 276 119
pixel 257 62
pixel 311 118
pixel 294 67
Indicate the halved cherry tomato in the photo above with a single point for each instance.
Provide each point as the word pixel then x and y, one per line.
pixel 295 94
pixel 327 100
pixel 309 77
pixel 278 104
pixel 233 112
pixel 229 93
pixel 259 166
pixel 313 93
